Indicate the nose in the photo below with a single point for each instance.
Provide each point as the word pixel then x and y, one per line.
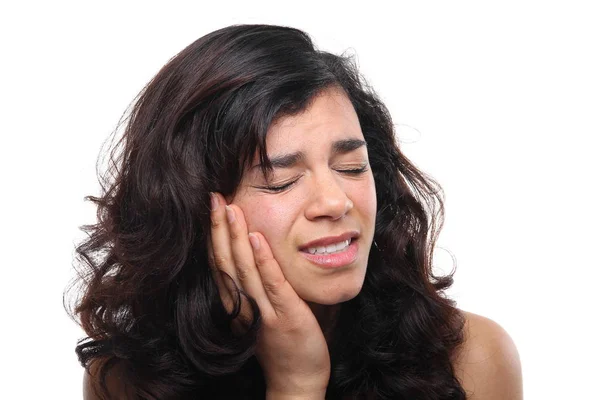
pixel 328 199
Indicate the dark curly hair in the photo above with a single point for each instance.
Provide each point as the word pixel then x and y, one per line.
pixel 147 300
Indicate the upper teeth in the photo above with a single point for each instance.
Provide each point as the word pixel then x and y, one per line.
pixel 332 248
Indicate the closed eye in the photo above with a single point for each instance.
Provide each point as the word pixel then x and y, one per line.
pixel 355 171
pixel 276 189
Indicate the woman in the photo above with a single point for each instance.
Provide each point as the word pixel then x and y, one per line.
pixel 262 236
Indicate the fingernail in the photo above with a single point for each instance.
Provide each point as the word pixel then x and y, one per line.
pixel 254 241
pixel 230 214
pixel 214 201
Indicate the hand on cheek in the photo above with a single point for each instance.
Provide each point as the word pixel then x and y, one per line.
pixel 291 347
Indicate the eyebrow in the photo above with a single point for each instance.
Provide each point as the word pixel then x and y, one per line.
pixel 343 146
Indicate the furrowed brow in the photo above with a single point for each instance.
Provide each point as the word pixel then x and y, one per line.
pixel 347 145
pixel 289 160
pixel 284 160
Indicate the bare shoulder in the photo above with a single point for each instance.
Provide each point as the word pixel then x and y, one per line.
pixel 487 364
pixel 115 383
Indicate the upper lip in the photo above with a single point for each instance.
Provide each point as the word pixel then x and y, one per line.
pixel 324 241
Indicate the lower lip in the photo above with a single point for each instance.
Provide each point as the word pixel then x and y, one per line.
pixel 336 260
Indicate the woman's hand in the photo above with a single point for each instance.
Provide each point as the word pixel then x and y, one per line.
pixel 291 347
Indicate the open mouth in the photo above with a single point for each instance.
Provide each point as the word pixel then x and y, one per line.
pixel 335 255
pixel 333 248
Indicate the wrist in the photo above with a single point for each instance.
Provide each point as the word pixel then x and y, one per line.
pixel 297 387
pixel 275 395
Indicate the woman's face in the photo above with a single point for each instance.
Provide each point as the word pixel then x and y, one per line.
pixel 321 189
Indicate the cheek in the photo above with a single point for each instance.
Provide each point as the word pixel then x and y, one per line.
pixel 365 199
pixel 373 202
pixel 272 219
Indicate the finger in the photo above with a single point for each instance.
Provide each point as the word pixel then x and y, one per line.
pixel 222 257
pixel 222 287
pixel 243 256
pixel 280 293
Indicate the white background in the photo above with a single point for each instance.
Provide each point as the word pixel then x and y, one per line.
pixel 497 101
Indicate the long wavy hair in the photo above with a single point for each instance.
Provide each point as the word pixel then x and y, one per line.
pixel 147 300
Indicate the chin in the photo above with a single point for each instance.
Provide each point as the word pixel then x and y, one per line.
pixel 329 298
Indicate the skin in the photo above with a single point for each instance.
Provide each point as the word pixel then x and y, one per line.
pixel 324 200
pixel 255 239
pixel 488 365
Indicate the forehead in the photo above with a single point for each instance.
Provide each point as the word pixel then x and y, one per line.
pixel 329 116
